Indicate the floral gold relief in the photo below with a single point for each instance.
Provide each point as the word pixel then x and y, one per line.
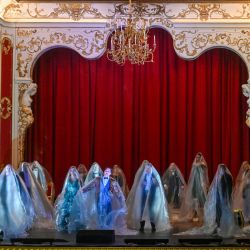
pixel 6 45
pixel 77 10
pixel 25 114
pixel 5 108
pixel 89 42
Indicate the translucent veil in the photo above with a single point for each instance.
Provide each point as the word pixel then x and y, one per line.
pixel 94 171
pixel 16 208
pixel 226 227
pixel 119 176
pixel 39 173
pixel 83 171
pixel 198 185
pixel 175 187
pixel 239 185
pixel 134 202
pixel 85 215
pixel 43 209
pixel 63 203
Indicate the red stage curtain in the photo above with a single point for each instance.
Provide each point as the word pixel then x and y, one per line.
pixel 164 112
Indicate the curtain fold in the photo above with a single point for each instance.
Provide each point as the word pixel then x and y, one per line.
pixel 166 111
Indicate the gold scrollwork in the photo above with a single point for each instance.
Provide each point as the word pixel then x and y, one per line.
pixel 76 11
pixel 25 115
pixel 6 45
pixel 199 41
pixel 141 9
pixel 205 11
pixel 5 108
pixel 25 33
pixel 80 42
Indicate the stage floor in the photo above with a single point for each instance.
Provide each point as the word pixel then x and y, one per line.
pixel 46 238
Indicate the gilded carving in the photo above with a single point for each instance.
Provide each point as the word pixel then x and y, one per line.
pixel 6 45
pixel 23 64
pixel 25 32
pixel 12 9
pixel 246 93
pixel 140 9
pixel 5 108
pixel 25 115
pixel 192 42
pixel 77 11
pixel 88 43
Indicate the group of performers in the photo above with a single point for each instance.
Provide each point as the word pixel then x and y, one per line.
pixel 98 199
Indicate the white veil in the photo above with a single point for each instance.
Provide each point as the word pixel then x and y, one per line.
pixel 198 183
pixel 134 202
pixel 16 208
pixel 210 226
pixel 63 203
pixel 43 208
pixel 173 168
pixel 239 185
pixel 94 171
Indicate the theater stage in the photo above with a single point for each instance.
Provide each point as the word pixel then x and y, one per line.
pixel 47 239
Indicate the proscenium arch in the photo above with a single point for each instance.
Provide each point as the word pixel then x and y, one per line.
pixel 167 29
pixel 42 52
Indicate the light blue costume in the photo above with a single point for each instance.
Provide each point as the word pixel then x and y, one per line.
pixel 99 206
pixel 39 173
pixel 146 201
pixel 64 201
pixel 16 207
pixel 43 209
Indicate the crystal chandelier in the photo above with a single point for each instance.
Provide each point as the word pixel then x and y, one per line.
pixel 129 40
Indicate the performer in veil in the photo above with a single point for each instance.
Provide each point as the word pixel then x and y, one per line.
pixel 175 187
pixel 39 173
pixel 99 205
pixel 94 171
pixel 218 215
pixel 16 207
pixel 246 197
pixel 43 209
pixel 119 176
pixel 198 184
pixel 64 201
pixel 147 205
pixel 240 182
pixel 82 172
pixel 44 179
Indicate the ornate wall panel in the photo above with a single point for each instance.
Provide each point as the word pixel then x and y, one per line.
pixel 6 101
pixel 85 27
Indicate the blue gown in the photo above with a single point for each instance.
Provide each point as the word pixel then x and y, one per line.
pixel 44 211
pixel 16 207
pixel 64 201
pixel 99 207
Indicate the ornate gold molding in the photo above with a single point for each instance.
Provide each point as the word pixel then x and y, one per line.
pixel 246 93
pixel 205 11
pixel 76 11
pixel 25 115
pixel 89 42
pixel 5 108
pixel 193 42
pixel 202 11
pixel 6 45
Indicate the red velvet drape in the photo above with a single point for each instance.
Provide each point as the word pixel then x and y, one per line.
pixel 165 111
